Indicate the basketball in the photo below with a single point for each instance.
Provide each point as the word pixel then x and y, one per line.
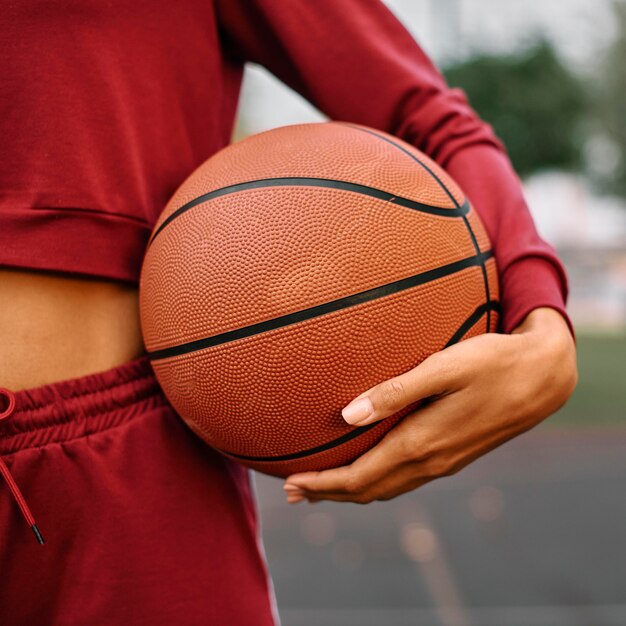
pixel 296 269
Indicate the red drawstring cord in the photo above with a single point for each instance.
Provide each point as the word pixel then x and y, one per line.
pixel 6 474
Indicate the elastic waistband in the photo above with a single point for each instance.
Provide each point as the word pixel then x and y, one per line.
pixel 74 408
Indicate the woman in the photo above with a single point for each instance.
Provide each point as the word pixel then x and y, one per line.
pixel 106 108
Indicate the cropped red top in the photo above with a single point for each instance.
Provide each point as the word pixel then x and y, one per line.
pixel 106 107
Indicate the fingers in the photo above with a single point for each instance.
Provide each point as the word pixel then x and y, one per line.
pixel 436 375
pixel 359 482
pixel 421 447
pixel 350 479
pixel 390 487
pixel 329 480
pixel 386 487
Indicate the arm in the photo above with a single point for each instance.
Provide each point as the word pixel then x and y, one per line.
pixel 356 62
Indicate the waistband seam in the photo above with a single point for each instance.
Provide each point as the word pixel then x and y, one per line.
pixel 29 410
pixel 124 419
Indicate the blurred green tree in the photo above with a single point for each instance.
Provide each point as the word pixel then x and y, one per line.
pixel 611 105
pixel 534 102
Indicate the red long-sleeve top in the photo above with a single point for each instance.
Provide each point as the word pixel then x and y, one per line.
pixel 105 108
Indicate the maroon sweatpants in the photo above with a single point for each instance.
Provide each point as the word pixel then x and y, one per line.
pixel 143 523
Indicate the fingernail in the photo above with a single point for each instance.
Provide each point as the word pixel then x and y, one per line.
pixel 294 498
pixel 358 411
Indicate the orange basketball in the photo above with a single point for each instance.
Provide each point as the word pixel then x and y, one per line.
pixel 296 269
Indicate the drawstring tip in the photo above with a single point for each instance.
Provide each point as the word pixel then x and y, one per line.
pixel 5 413
pixel 37 534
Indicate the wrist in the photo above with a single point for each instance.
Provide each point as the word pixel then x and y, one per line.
pixel 549 346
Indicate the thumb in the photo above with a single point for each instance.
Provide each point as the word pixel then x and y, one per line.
pixel 433 376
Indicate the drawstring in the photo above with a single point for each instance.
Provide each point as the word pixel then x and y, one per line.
pixel 6 413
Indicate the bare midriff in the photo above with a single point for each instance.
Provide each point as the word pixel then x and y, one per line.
pixel 55 327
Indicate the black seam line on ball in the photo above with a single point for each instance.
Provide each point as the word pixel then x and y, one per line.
pixel 465 327
pixel 457 211
pixel 412 156
pixel 473 319
pixel 322 309
pixel 448 193
pixel 470 230
pixel 358 431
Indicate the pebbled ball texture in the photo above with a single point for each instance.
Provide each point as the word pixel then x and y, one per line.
pixel 301 296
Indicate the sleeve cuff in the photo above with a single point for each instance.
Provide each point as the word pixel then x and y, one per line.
pixel 531 283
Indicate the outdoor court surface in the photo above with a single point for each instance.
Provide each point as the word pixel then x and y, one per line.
pixel 534 534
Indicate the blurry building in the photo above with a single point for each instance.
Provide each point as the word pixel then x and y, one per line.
pixel 454 29
pixel 589 232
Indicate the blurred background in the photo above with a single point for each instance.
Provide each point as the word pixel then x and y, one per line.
pixel 534 534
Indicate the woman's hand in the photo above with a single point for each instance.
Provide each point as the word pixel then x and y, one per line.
pixel 478 394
